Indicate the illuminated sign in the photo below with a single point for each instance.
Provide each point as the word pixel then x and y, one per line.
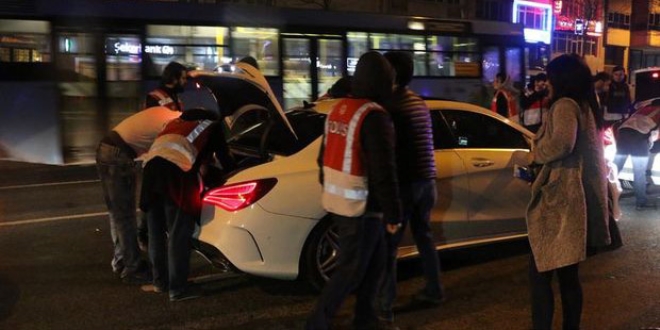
pixel 118 47
pixel 579 26
pixel 158 49
pixel 544 34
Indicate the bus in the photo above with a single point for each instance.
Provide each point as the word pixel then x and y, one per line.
pixel 81 66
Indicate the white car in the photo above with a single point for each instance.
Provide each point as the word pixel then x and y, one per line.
pixel 267 219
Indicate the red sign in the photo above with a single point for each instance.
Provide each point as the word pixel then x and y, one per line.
pixel 557 7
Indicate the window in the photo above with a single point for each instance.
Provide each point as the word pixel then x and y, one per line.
pixel 24 41
pixel 490 10
pixel 568 42
pixel 618 20
pixel 308 126
pixel 202 46
pixel 75 56
pixel 532 17
pixel 123 55
pixel 474 130
pixel 614 55
pixel 440 56
pixel 262 44
pixel 654 21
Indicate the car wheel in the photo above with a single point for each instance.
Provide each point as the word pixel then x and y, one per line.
pixel 321 253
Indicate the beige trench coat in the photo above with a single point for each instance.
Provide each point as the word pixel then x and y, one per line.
pixel 568 208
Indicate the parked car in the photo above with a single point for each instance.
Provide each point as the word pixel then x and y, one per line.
pixel 267 219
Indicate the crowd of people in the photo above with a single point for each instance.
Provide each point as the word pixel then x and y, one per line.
pixel 378 177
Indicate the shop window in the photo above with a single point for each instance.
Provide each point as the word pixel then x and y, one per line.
pixel 24 41
pixel 123 55
pixel 75 56
pixel 203 47
pixel 262 44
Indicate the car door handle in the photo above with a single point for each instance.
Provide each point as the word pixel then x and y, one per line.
pixel 482 163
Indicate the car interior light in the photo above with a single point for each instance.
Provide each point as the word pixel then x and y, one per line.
pixel 237 196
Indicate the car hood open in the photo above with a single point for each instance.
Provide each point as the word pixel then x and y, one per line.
pixel 246 86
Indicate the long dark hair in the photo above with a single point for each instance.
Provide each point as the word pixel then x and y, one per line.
pixel 373 78
pixel 570 77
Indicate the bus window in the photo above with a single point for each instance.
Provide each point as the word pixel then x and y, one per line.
pixel 24 41
pixel 262 44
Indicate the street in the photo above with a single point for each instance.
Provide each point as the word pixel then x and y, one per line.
pixel 55 273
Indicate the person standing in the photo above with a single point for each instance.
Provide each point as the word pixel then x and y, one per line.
pixel 568 209
pixel 504 101
pixel 171 194
pixel 635 137
pixel 618 101
pixel 417 174
pixel 118 171
pixel 360 191
pixel 602 81
pixel 534 103
pixel 172 82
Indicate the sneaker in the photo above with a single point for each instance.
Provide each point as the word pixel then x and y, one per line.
pixel 190 293
pixel 427 299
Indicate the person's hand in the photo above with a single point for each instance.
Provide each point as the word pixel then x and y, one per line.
pixel 392 228
pixel 530 158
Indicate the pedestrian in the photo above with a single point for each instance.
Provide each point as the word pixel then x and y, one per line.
pixel 568 209
pixel 618 101
pixel 171 194
pixel 360 191
pixel 602 81
pixel 417 174
pixel 504 101
pixel 533 104
pixel 636 136
pixel 116 164
pixel 172 82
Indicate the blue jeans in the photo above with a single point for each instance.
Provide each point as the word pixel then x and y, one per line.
pixel 417 199
pixel 636 145
pixel 170 235
pixel 118 174
pixel 361 263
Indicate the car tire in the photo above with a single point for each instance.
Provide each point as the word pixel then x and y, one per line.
pixel 320 253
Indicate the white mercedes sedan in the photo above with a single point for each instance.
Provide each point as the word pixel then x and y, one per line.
pixel 266 219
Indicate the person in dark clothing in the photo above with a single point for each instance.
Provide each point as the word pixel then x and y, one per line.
pixel 618 101
pixel 417 174
pixel 533 104
pixel 172 83
pixel 171 194
pixel 250 60
pixel 360 191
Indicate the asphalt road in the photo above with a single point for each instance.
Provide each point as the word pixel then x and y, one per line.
pixel 55 274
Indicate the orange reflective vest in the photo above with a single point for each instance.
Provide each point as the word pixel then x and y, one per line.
pixel 512 105
pixel 345 187
pixel 165 100
pixel 180 142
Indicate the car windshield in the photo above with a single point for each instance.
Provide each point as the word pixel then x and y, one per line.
pixel 308 125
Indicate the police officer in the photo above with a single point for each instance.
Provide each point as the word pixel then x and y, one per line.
pixel 360 191
pixel 172 83
pixel 504 101
pixel 171 194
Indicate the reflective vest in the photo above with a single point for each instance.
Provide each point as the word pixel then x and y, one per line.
pixel 180 142
pixel 345 186
pixel 532 115
pixel 512 105
pixel 164 100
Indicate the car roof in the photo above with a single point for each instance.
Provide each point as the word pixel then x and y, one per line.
pixel 325 106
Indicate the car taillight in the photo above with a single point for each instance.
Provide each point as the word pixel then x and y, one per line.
pixel 237 196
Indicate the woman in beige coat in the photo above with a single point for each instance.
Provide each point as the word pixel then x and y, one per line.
pixel 568 208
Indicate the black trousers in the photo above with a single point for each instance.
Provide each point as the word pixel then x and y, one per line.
pixel 543 300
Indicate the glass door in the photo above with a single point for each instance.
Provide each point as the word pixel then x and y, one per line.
pixel 306 79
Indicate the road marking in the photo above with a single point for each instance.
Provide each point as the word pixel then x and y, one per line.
pixel 47 184
pixel 64 217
